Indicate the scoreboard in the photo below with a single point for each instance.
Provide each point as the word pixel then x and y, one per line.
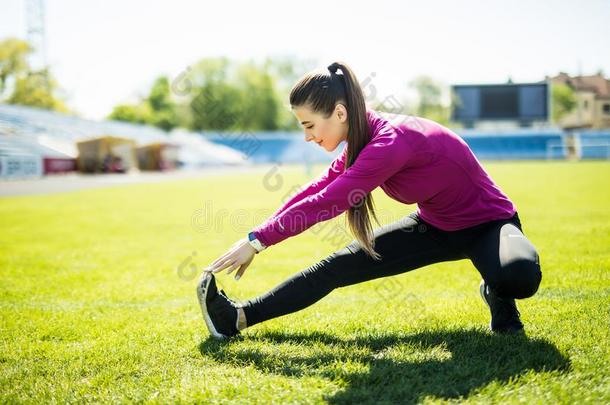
pixel 520 102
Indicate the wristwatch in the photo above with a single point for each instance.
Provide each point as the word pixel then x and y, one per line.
pixel 256 244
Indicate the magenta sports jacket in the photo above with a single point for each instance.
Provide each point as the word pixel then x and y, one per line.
pixel 413 160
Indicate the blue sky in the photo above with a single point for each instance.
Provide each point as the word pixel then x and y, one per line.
pixel 107 52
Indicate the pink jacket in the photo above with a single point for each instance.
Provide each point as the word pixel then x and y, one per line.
pixel 413 160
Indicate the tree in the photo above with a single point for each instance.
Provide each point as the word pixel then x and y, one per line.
pixel 13 60
pixel 285 71
pixel 215 101
pixel 32 88
pixel 259 100
pixel 139 113
pixel 563 100
pixel 156 109
pixel 37 89
pixel 430 94
pixel 229 95
pixel 161 105
pixel 219 94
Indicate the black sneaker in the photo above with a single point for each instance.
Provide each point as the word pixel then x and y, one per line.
pixel 504 312
pixel 219 311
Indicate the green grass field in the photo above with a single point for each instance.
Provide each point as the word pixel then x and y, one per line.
pixel 98 301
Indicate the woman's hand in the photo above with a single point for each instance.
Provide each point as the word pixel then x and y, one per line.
pixel 240 255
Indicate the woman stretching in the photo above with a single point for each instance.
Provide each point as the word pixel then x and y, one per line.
pixel 461 214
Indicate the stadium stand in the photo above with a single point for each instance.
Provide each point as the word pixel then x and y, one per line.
pixel 30 138
pixel 593 144
pixel 34 142
pixel 518 144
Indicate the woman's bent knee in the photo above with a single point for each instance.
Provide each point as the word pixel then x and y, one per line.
pixel 520 264
pixel 521 279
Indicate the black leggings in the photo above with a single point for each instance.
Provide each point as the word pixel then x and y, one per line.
pixel 505 258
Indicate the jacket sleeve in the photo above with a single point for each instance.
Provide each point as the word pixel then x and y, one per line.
pixel 330 174
pixel 381 158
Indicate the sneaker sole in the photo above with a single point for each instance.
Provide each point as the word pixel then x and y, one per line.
pixel 482 292
pixel 202 292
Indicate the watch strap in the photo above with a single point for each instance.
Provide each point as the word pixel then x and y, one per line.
pixel 255 243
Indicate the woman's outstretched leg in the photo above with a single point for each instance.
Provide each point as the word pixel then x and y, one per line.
pixel 404 245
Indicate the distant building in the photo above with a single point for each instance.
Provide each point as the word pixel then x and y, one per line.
pixel 593 101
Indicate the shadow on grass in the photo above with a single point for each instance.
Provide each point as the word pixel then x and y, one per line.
pixel 392 368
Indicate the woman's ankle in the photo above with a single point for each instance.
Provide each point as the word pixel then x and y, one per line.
pixel 241 319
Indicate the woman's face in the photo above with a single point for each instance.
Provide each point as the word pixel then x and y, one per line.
pixel 326 132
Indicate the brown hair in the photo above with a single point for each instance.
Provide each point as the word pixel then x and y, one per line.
pixel 321 91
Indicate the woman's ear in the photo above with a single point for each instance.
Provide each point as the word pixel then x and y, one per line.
pixel 341 112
